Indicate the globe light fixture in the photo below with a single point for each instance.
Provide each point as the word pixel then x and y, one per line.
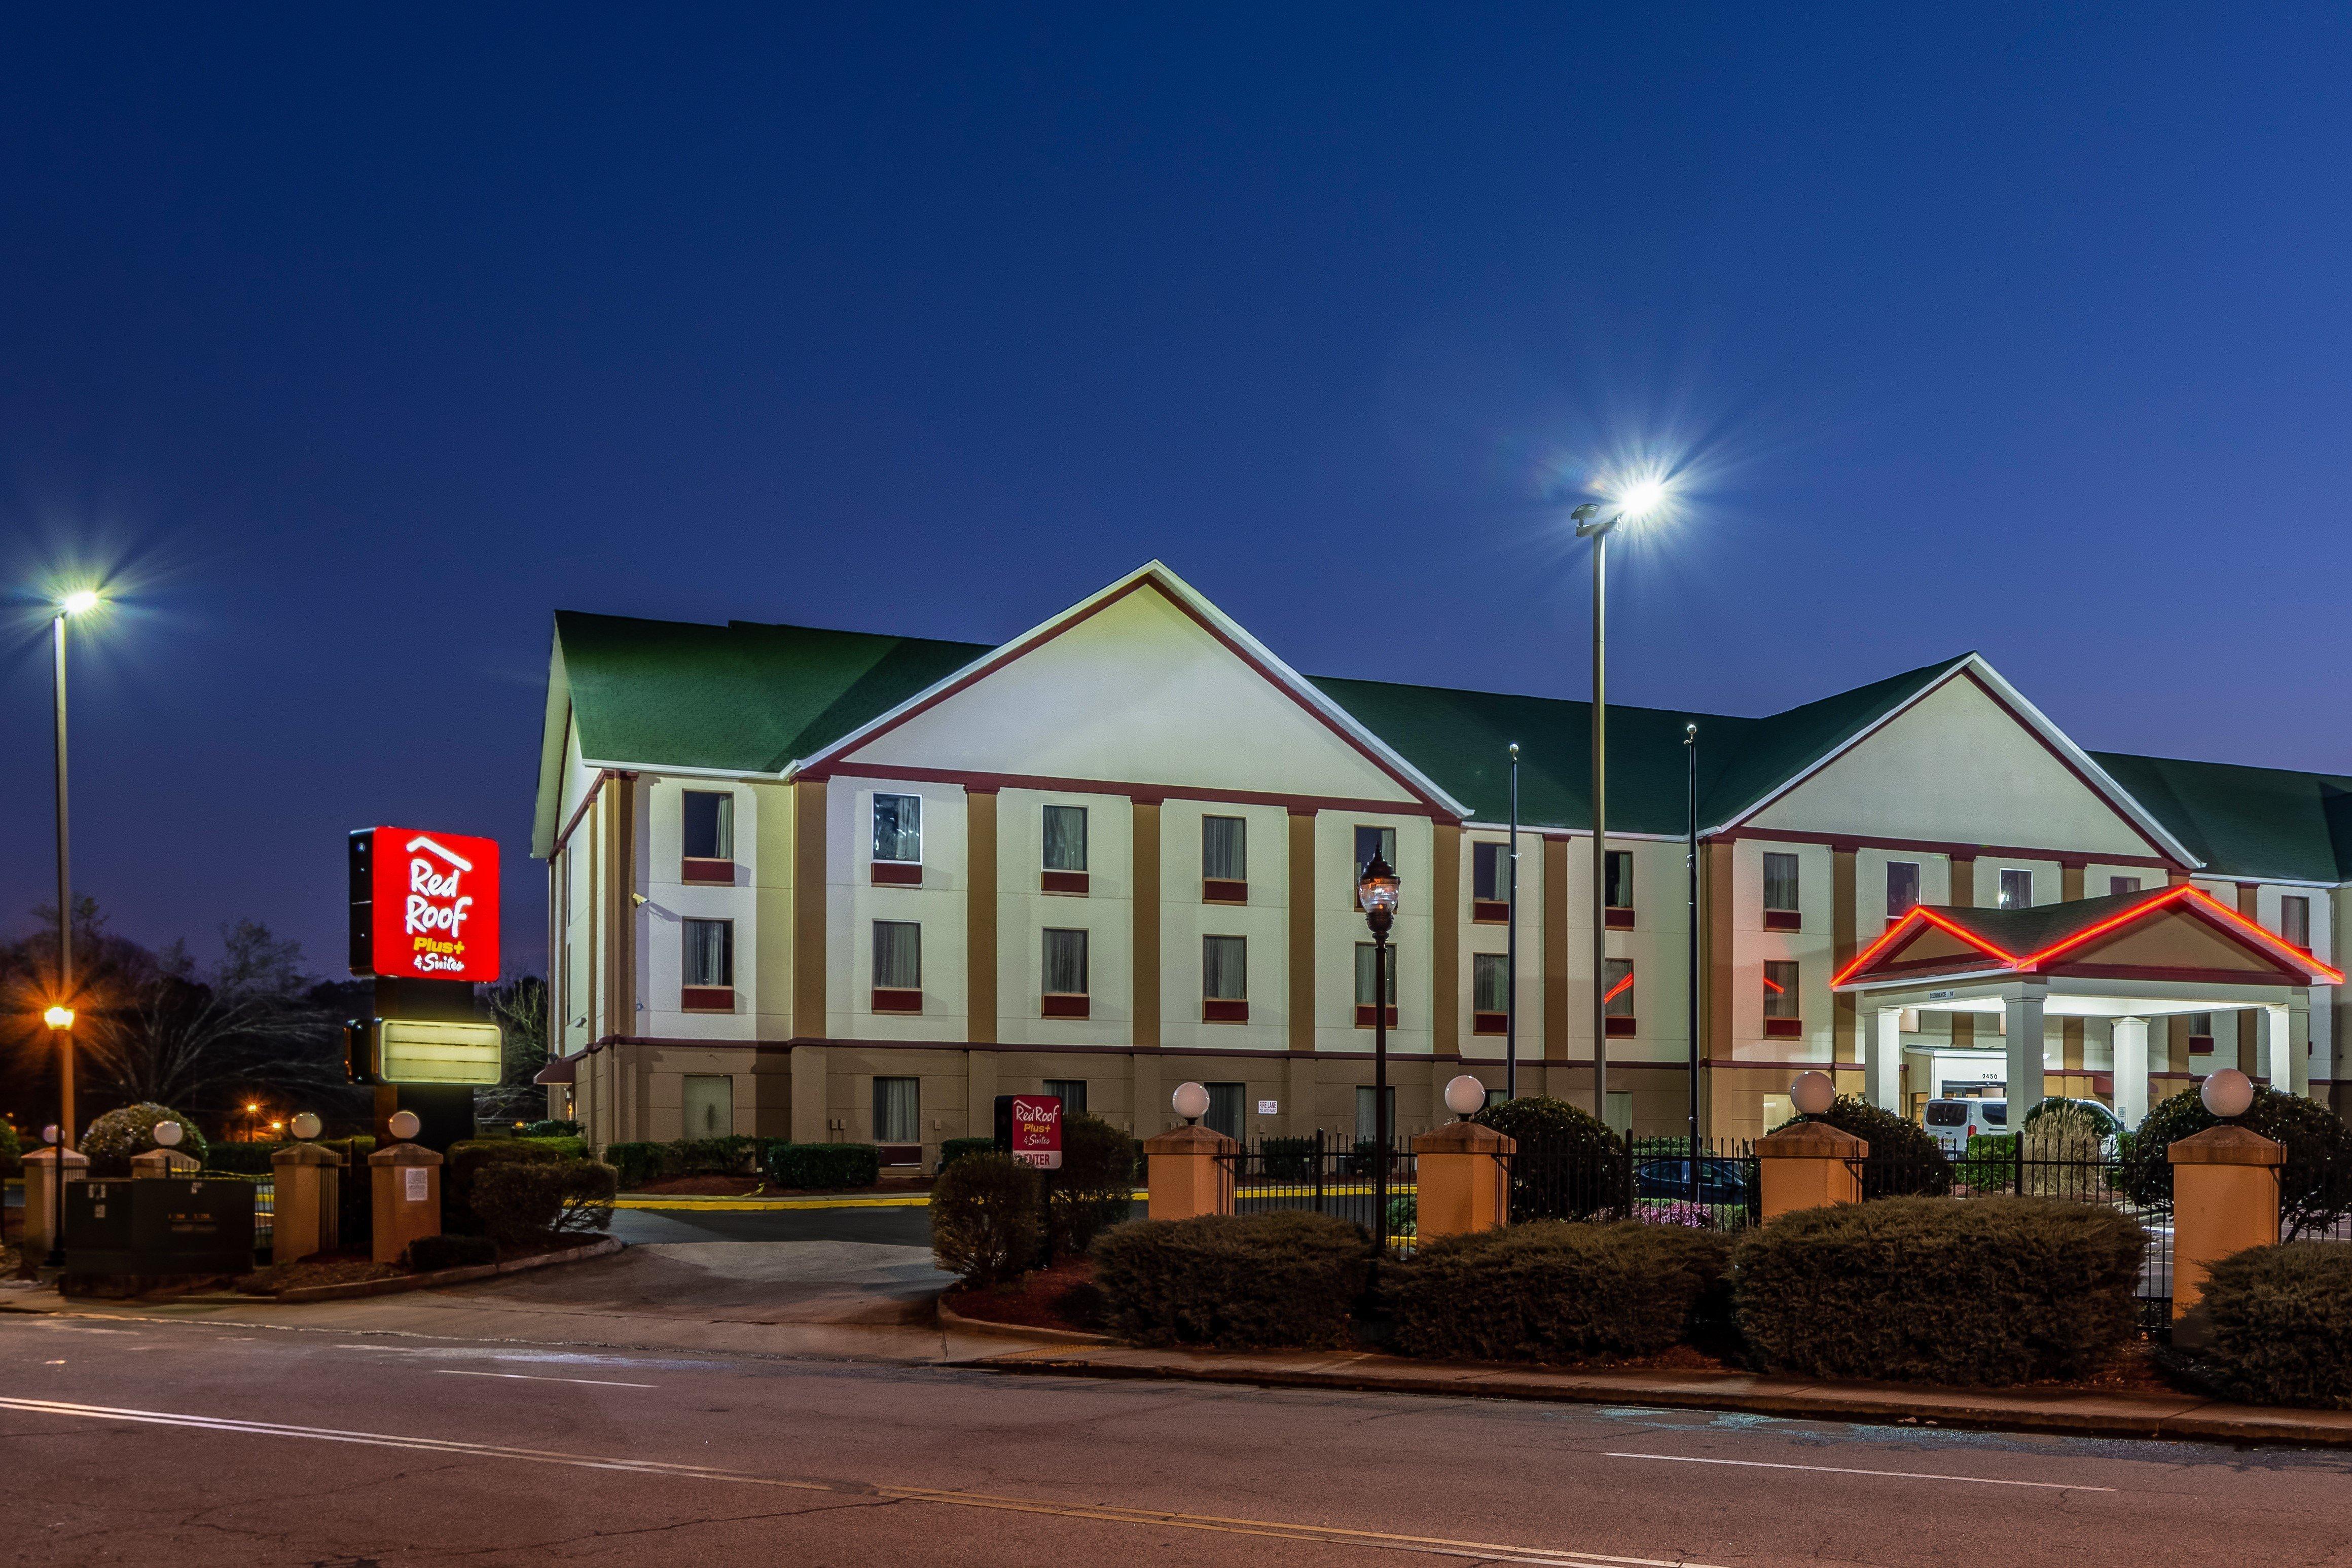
pixel 1464 1095
pixel 1812 1094
pixel 2228 1094
pixel 59 1017
pixel 50 1134
pixel 167 1134
pixel 307 1124
pixel 404 1125
pixel 1191 1101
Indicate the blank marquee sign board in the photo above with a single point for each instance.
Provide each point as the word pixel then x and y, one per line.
pixel 1029 1128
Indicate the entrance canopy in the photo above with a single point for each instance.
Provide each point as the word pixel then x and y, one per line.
pixel 2129 957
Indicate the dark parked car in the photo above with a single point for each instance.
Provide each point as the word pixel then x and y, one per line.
pixel 1720 1181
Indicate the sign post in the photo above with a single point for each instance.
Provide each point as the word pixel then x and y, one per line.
pixel 424 925
pixel 1029 1128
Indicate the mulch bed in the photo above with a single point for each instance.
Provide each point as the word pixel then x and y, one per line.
pixel 1062 1297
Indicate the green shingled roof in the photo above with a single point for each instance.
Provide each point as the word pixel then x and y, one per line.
pixel 754 698
pixel 2022 931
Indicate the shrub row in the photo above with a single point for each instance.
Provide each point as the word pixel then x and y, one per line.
pixel 524 1203
pixel 822 1166
pixel 1988 1290
pixel 2282 1323
pixel 993 1217
pixel 640 1163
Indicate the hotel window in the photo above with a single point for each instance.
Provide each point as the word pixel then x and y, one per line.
pixel 1617 888
pixel 2294 920
pixel 1617 999
pixel 899 1111
pixel 1073 1095
pixel 1066 850
pixel 2118 884
pixel 1066 975
pixel 2201 1034
pixel 706 836
pixel 1366 959
pixel 1781 910
pixel 707 966
pixel 2016 888
pixel 898 966
pixel 1225 1102
pixel 1902 888
pixel 1224 979
pixel 1490 993
pixel 1225 860
pixel 1370 841
pixel 897 839
pixel 1783 1005
pixel 1490 883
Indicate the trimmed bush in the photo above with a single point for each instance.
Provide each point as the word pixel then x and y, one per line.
pixel 637 1163
pixel 1989 1164
pixel 1553 1291
pixel 1905 1158
pixel 822 1166
pixel 1096 1185
pixel 2315 1183
pixel 112 1139
pixel 2282 1320
pixel 520 1204
pixel 428 1253
pixel 954 1149
pixel 736 1155
pixel 1981 1290
pixel 464 1162
pixel 1245 1281
pixel 987 1217
pixel 12 1152
pixel 553 1130
pixel 570 1148
pixel 1569 1165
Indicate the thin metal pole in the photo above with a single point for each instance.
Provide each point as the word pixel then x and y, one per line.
pixel 1511 950
pixel 1600 824
pixel 1690 854
pixel 64 906
pixel 1380 1088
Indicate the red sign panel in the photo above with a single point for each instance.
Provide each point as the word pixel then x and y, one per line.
pixel 1038 1130
pixel 434 906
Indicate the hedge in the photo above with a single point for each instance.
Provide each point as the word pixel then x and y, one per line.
pixel 553 1130
pixel 639 1163
pixel 821 1165
pixel 2315 1183
pixel 1245 1281
pixel 954 1149
pixel 112 1139
pixel 1569 1165
pixel 1981 1290
pixel 463 1164
pixel 986 1222
pixel 1553 1291
pixel 1095 1188
pixel 2282 1323
pixel 521 1204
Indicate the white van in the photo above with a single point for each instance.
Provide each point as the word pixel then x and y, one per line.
pixel 1952 1122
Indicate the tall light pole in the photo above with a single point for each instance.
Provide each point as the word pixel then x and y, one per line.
pixel 1637 501
pixel 1376 889
pixel 60 1016
pixel 1690 873
pixel 1511 950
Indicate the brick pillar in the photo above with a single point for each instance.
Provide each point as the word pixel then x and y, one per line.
pixel 1463 1177
pixel 307 1215
pixel 41 1198
pixel 1804 1167
pixel 1184 1174
pixel 2225 1198
pixel 408 1197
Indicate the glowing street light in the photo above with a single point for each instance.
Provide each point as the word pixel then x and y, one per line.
pixel 1642 498
pixel 59 1017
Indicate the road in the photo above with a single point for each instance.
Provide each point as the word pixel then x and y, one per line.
pixel 206 1440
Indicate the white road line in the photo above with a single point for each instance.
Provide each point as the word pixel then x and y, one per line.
pixel 1277 1530
pixel 1843 1470
pixel 527 1377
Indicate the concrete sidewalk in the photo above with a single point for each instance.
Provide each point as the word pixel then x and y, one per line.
pixel 2119 1413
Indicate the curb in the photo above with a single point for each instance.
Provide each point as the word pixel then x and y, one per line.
pixel 2181 1417
pixel 951 1319
pixel 440 1277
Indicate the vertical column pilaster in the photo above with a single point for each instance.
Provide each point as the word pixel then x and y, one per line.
pixel 810 892
pixel 1446 939
pixel 979 920
pixel 1302 936
pixel 1555 949
pixel 1144 1031
pixel 2131 1069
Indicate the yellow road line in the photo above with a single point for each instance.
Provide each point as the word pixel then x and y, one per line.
pixel 1278 1530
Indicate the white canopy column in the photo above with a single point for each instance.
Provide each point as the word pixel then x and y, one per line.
pixel 1882 1063
pixel 2026 1051
pixel 2131 1071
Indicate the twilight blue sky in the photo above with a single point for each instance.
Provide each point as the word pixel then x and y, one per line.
pixel 353 345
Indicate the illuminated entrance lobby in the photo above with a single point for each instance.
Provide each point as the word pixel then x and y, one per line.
pixel 2124 960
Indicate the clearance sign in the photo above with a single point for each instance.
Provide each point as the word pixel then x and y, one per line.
pixel 424 905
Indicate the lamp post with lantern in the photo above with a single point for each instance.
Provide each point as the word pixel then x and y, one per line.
pixel 1376 890
pixel 60 1014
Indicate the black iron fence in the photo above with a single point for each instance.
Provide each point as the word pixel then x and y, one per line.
pixel 1328 1173
pixel 1663 1180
